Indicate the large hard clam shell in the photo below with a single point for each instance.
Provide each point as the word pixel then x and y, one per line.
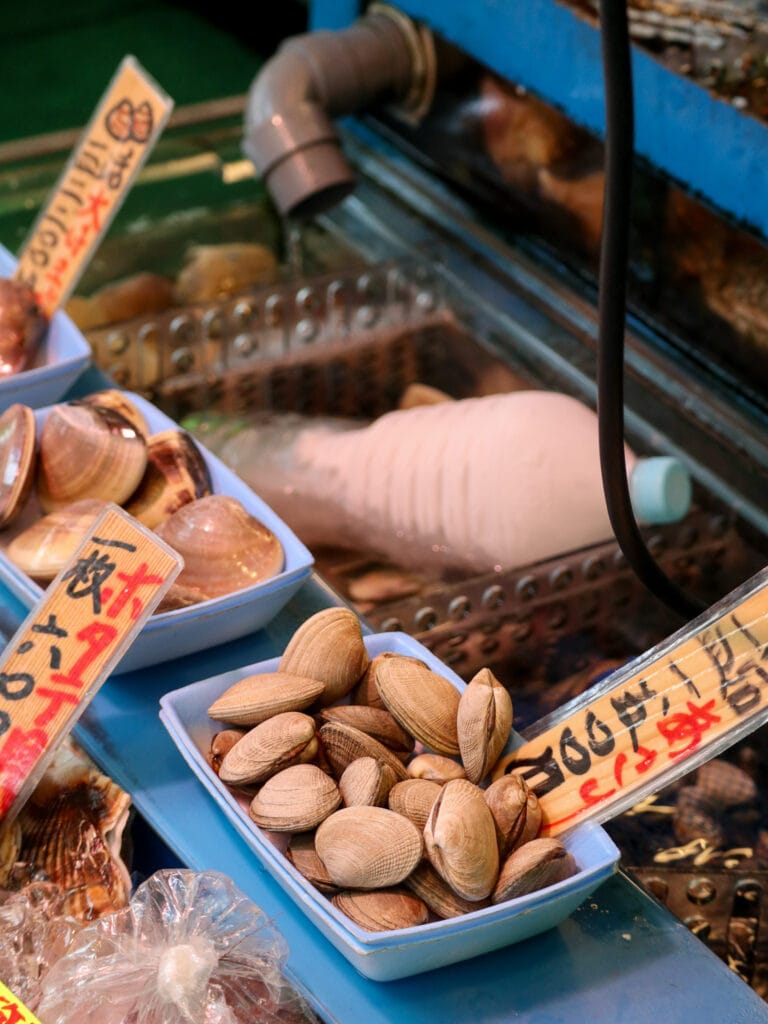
pixel 176 474
pixel 414 799
pixel 267 748
pixel 382 911
pixel 17 460
pixel 483 723
pixel 224 547
pixel 343 744
pixel 295 800
pixel 507 799
pixel 368 847
pixel 531 867
pixel 45 547
pixel 366 692
pixel 375 722
pixel 444 903
pixel 257 698
pixel 88 452
pixel 423 702
pixel 460 840
pixel 119 402
pixel 435 768
pixel 328 646
pixel 366 782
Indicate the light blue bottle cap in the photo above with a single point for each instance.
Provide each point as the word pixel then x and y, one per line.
pixel 660 489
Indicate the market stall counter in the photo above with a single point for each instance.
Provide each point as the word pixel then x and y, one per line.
pixel 620 956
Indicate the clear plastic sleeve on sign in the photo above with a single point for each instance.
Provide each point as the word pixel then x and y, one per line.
pixel 189 948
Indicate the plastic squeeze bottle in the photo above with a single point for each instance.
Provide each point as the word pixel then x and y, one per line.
pixel 479 484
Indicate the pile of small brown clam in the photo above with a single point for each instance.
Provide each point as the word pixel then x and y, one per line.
pixel 90 451
pixel 387 799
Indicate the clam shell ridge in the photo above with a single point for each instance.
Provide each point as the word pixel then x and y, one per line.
pixel 295 800
pixel 460 840
pixel 88 452
pixel 423 702
pixel 258 697
pixel 269 747
pixel 328 646
pixel 176 474
pixel 224 547
pixel 368 847
pixel 483 723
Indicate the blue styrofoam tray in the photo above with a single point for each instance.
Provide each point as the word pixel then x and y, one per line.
pixel 399 953
pixel 63 355
pixel 172 634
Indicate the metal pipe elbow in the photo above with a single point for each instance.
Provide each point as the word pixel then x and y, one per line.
pixel 289 133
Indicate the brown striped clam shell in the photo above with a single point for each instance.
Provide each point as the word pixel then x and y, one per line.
pixel 366 782
pixel 483 723
pixel 343 744
pixel 382 910
pixel 423 702
pixel 255 698
pixel 295 800
pixel 375 722
pixel 176 474
pixel 533 866
pixel 328 646
pixel 414 798
pixel 368 847
pixel 460 840
pixel 269 747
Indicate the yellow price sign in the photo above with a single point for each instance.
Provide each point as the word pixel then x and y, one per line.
pixel 70 642
pixel 13 1010
pixel 655 719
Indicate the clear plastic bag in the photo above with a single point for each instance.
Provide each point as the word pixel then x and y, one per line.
pixel 189 948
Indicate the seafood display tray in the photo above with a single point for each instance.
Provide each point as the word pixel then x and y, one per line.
pixel 403 952
pixel 64 354
pixel 172 634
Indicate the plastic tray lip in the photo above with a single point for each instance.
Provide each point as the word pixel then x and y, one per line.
pixel 344 933
pixel 64 354
pixel 298 559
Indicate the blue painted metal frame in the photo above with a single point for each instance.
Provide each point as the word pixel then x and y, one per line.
pixel 702 142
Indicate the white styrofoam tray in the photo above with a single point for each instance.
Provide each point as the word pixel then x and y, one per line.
pixel 172 634
pixel 399 953
pixel 63 355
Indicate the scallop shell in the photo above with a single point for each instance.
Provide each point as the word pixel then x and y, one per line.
pixel 268 748
pixel 414 799
pixel 343 744
pixel 328 646
pixel 88 452
pixel 256 698
pixel 45 547
pixel 531 867
pixel 295 800
pixel 368 847
pixel 176 474
pixel 366 782
pixel 224 547
pixel 483 723
pixel 375 722
pixel 17 460
pixel 423 702
pixel 460 840
pixel 383 910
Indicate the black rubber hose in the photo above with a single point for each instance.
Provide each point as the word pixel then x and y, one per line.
pixel 614 256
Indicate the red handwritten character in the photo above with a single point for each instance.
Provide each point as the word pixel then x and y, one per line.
pixel 10 1012
pixel 95 202
pixel 76 238
pixel 682 727
pixel 131 583
pixel 589 796
pixel 18 753
pixel 56 700
pixel 53 277
pixel 98 636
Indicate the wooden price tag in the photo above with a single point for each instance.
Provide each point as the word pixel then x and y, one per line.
pixel 112 150
pixel 68 645
pixel 655 719
pixel 12 1010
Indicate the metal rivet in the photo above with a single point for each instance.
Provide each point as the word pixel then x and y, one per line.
pixel 366 316
pixel 657 887
pixel 493 597
pixel 183 360
pixel 243 311
pixel 307 329
pixel 459 608
pixel 456 639
pixel 117 342
pixel 527 588
pixel 392 626
pixel 698 925
pixel 561 577
pixel 213 324
pixel 425 618
pixel 425 302
pixel 700 891
pixel 243 344
pixel 489 645
pixel 593 568
pixel 182 329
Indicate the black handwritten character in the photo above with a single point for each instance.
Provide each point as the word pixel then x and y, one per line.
pixel 119 120
pixel 574 755
pixel 117 166
pixel 5 722
pixel 595 728
pixel 738 682
pixel 90 161
pixel 631 709
pixel 142 123
pixel 675 669
pixel 87 576
pixel 688 727
pixel 543 764
pixel 16 685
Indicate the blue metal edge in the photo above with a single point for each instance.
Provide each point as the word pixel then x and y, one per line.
pixel 701 141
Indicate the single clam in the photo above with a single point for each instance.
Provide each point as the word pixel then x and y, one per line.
pixel 444 903
pixel 302 854
pixel 221 744
pixel 328 646
pixel 507 799
pixel 343 744
pixel 483 723
pixel 267 748
pixel 368 847
pixel 435 768
pixel 531 867
pixel 88 452
pixel 22 326
pixel 414 799
pixel 366 782
pixel 224 547
pixel 45 547
pixel 176 474
pixel 375 722
pixel 423 702
pixel 383 910
pixel 460 840
pixel 17 460
pixel 295 800
pixel 366 692
pixel 256 698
